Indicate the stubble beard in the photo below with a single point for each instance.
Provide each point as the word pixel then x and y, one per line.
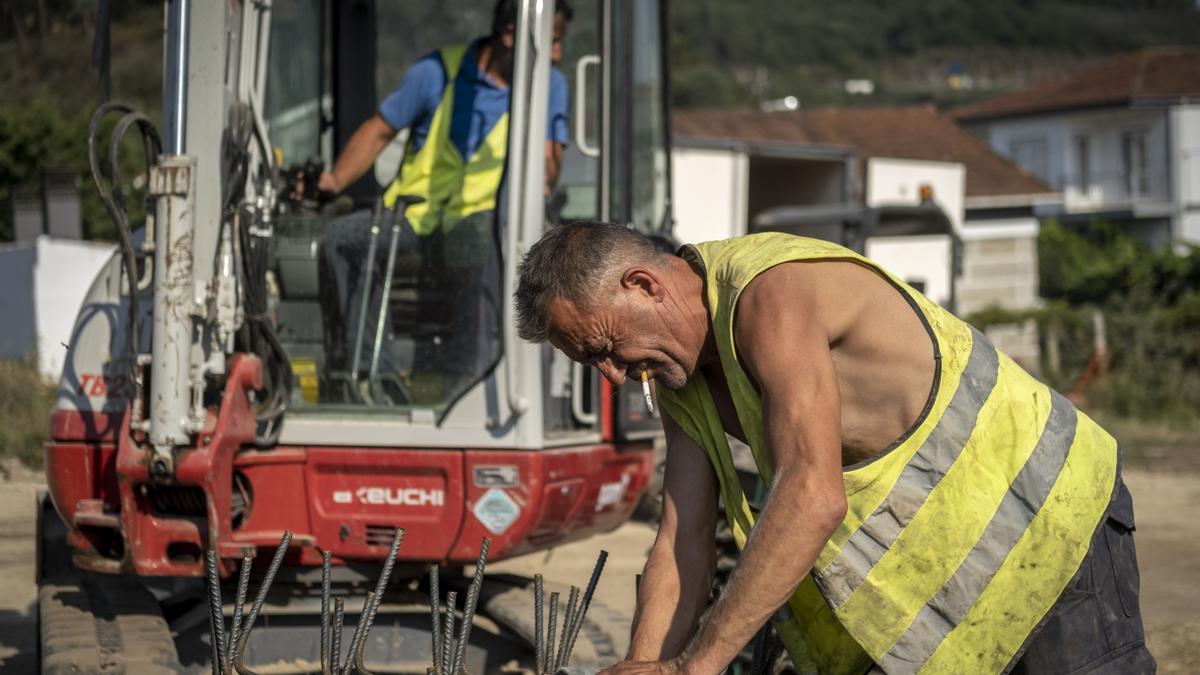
pixel 672 376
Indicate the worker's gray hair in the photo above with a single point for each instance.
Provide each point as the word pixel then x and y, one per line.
pixel 573 262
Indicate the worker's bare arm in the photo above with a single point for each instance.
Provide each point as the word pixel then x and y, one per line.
pixel 678 573
pixel 783 340
pixel 364 148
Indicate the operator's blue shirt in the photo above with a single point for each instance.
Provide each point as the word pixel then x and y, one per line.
pixel 478 102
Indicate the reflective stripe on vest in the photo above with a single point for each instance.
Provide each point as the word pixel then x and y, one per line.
pixel 453 189
pixel 959 539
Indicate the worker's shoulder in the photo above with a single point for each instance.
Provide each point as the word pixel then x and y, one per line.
pixel 784 286
pixel 812 278
pixel 826 293
pixel 431 65
pixel 738 259
pixel 427 75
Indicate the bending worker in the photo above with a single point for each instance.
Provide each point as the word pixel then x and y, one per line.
pixel 455 103
pixel 932 507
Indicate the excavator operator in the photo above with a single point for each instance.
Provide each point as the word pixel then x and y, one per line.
pixel 455 104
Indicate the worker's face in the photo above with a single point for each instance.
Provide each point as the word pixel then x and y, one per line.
pixel 624 333
pixel 505 55
pixel 509 38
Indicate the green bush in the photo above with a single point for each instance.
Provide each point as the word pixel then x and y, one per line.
pixel 26 400
pixel 1150 301
pixel 39 135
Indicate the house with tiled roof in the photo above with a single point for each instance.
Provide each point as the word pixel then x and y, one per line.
pixel 1119 139
pixel 730 167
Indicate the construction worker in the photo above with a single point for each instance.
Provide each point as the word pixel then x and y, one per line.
pixel 931 506
pixel 455 104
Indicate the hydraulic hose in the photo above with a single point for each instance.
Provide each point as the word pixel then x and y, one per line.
pixel 114 203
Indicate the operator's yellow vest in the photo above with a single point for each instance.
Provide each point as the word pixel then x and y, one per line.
pixel 961 536
pixel 453 188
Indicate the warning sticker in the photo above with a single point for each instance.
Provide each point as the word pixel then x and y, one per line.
pixel 497 511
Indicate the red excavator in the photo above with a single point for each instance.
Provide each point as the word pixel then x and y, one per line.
pixel 204 405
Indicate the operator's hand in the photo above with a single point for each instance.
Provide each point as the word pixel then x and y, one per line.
pixel 329 183
pixel 671 667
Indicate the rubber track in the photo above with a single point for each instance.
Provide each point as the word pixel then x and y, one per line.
pixel 95 624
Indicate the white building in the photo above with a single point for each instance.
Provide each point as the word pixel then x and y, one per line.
pixel 720 184
pixel 1120 140
pixel 44 282
pixel 922 261
pixel 729 166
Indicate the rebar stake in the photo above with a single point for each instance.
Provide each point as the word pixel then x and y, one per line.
pixel 435 613
pixel 583 605
pixel 372 605
pixel 339 621
pixel 216 617
pixel 568 620
pixel 550 633
pixel 259 599
pixel 326 569
pixel 389 562
pixel 239 609
pixel 464 631
pixel 448 633
pixel 539 639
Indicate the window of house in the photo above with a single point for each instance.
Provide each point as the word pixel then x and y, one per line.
pixel 1083 158
pixel 1135 166
pixel 1031 155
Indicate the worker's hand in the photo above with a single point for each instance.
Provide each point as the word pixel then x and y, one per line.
pixel 636 667
pixel 329 183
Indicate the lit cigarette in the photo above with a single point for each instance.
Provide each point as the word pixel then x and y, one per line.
pixel 646 392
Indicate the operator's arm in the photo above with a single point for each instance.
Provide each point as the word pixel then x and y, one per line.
pixel 557 128
pixel 785 348
pixel 364 147
pixel 414 100
pixel 678 574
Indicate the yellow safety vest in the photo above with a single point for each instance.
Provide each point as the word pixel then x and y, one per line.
pixel 957 540
pixel 453 188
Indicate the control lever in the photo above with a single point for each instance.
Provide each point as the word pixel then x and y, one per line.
pixel 368 270
pixel 398 222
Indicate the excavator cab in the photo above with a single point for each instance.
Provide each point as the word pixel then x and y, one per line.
pixel 213 397
pixel 427 340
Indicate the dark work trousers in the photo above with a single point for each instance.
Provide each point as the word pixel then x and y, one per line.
pixel 343 261
pixel 1096 625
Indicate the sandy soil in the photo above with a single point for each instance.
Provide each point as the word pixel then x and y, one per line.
pixel 18 589
pixel 1168 541
pixel 1168 547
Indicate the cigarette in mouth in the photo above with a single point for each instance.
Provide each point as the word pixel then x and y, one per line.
pixel 646 392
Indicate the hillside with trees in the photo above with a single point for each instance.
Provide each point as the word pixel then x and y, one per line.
pixel 723 53
pixel 737 52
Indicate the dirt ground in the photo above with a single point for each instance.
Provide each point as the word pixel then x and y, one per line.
pixel 1168 541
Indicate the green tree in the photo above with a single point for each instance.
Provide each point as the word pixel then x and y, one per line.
pixel 38 136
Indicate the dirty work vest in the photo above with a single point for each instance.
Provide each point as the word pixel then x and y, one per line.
pixel 961 536
pixel 453 188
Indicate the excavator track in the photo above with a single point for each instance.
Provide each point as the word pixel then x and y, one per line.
pixel 95 624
